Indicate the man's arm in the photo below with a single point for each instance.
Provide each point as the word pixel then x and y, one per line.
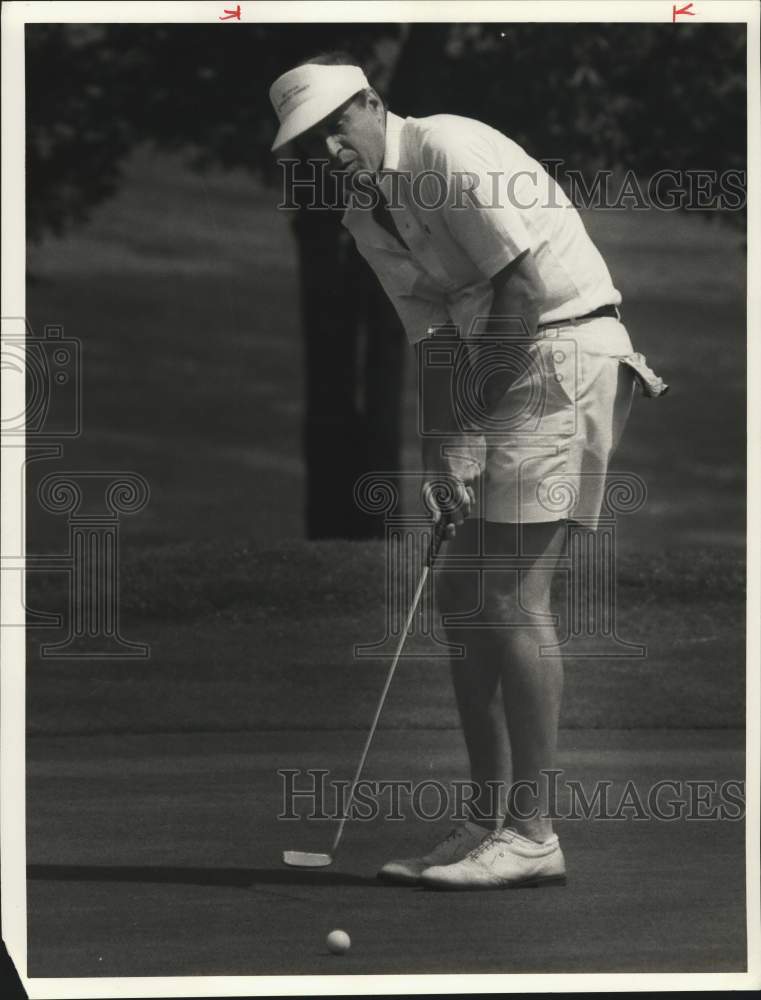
pixel 518 294
pixel 518 291
pixel 450 456
pixel 454 453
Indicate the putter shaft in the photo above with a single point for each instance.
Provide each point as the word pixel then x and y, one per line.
pixel 437 538
pixel 305 859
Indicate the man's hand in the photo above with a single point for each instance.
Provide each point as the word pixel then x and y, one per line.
pixel 452 464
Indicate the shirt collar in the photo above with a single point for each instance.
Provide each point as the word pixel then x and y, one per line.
pixel 360 222
pixel 392 156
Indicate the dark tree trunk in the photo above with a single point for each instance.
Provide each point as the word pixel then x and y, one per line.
pixel 355 346
pixel 354 354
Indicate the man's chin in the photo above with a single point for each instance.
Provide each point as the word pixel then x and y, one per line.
pixel 348 169
pixel 355 167
pixel 355 174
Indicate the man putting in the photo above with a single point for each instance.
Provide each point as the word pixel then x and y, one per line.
pixel 466 230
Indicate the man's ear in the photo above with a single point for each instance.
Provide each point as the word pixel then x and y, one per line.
pixel 373 100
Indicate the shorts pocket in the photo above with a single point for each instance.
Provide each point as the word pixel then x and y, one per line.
pixel 650 384
pixel 559 358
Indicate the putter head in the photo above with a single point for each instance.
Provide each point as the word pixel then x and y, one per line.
pixel 306 859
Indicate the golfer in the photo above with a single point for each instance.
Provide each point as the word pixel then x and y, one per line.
pixel 465 230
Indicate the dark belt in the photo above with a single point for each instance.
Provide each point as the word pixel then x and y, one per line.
pixel 610 311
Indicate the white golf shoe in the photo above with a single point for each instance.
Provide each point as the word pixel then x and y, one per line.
pixel 457 845
pixel 503 860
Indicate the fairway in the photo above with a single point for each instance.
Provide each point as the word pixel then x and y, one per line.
pixel 154 843
pixel 166 861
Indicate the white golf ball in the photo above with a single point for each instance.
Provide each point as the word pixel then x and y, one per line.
pixel 338 942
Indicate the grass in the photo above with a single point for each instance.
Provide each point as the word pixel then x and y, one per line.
pixel 247 638
pixel 239 582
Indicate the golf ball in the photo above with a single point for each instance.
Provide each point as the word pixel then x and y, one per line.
pixel 338 942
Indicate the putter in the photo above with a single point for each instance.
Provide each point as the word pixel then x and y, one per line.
pixel 310 859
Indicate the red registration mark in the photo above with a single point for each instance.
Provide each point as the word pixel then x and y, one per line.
pixel 676 11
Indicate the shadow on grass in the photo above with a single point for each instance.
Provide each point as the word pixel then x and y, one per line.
pixel 240 878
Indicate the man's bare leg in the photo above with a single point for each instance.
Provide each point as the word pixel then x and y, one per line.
pixel 506 648
pixel 479 703
pixel 476 679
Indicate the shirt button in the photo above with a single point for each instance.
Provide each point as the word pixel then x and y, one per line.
pixel 558 378
pixel 559 356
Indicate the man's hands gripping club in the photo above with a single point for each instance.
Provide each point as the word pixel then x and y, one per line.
pixel 453 465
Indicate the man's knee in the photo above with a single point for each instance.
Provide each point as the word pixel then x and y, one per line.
pixel 502 606
pixel 518 602
pixel 509 597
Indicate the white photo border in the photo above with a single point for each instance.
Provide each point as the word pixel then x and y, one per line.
pixel 12 640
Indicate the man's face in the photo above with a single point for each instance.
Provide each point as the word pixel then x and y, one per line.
pixel 352 138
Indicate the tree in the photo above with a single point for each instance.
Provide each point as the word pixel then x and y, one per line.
pixel 639 96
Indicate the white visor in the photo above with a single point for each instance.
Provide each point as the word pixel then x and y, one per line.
pixel 305 95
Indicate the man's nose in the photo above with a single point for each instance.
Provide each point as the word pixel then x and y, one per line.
pixel 333 147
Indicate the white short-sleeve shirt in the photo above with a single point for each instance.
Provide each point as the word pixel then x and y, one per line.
pixel 467 201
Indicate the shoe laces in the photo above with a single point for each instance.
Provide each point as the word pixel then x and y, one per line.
pixel 489 840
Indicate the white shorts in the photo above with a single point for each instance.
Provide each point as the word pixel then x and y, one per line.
pixel 546 456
